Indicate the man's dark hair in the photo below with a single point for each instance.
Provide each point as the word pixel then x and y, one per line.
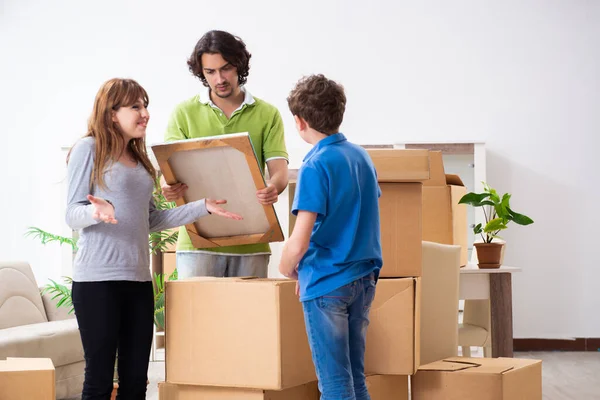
pixel 232 48
pixel 319 101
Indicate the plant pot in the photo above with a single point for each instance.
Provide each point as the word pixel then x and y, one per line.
pixel 489 255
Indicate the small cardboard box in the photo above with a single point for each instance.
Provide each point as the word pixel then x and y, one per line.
pixel 170 391
pixel 444 220
pixel 236 332
pixel 400 174
pixel 27 379
pixel 459 378
pixel 387 387
pixel 394 331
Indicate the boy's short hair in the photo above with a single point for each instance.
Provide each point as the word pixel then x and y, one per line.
pixel 319 101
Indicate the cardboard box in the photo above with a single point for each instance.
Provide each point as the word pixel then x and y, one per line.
pixel 444 220
pixel 170 391
pixel 169 260
pixel 479 379
pixel 400 174
pixel 27 379
pixel 399 166
pixel 388 387
pixel 236 332
pixel 394 331
pixel 401 235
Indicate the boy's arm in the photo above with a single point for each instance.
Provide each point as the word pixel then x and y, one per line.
pixel 297 244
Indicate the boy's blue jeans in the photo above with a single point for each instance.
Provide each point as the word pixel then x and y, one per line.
pixel 336 325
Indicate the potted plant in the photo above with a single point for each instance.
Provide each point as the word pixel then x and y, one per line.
pixel 498 215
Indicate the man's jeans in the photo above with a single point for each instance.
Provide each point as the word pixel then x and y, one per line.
pixel 191 264
pixel 336 325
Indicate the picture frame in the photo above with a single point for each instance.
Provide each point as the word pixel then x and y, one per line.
pixel 221 167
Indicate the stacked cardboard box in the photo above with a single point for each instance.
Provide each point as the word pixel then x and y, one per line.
pixel 245 338
pixel 236 338
pixel 27 379
pixel 479 379
pixel 393 346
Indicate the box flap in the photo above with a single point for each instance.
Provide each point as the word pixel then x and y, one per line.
pixel 392 347
pixel 395 165
pixel 437 176
pixel 495 366
pixel 448 365
pixel 454 180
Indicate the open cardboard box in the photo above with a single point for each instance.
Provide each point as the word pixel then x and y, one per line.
pixel 444 220
pixel 461 378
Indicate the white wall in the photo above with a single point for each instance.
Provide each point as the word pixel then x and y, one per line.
pixel 520 75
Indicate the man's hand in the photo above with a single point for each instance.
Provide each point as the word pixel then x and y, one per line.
pixel 103 210
pixel 173 192
pixel 213 208
pixel 268 195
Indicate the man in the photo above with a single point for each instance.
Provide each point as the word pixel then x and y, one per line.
pixel 221 61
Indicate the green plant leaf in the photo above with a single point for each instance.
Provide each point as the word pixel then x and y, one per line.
pixel 61 292
pixel 477 229
pixel 502 207
pixel 495 225
pixel 47 237
pixel 474 199
pixel 519 218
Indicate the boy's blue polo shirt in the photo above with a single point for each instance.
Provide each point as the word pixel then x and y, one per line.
pixel 338 181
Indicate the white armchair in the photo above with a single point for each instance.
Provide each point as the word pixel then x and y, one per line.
pixel 32 327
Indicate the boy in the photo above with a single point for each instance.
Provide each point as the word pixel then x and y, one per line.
pixel 335 248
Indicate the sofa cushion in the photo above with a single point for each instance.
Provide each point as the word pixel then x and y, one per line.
pixel 57 340
pixel 20 299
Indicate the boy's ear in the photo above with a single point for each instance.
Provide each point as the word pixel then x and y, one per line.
pixel 301 123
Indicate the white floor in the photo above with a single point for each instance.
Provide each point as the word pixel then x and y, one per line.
pixel 566 375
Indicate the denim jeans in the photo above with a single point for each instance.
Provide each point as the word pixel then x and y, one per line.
pixel 191 264
pixel 336 325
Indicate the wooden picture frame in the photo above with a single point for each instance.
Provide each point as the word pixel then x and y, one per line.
pixel 221 167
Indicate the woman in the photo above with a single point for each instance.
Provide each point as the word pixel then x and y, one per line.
pixel 111 180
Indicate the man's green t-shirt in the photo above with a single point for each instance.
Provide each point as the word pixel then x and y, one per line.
pixel 199 117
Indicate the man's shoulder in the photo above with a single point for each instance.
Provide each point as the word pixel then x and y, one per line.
pixel 264 106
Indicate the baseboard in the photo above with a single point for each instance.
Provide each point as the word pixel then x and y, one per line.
pixel 577 344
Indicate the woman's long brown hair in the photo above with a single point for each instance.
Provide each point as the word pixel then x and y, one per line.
pixel 114 94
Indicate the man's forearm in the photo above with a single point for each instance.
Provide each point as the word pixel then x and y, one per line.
pixel 279 180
